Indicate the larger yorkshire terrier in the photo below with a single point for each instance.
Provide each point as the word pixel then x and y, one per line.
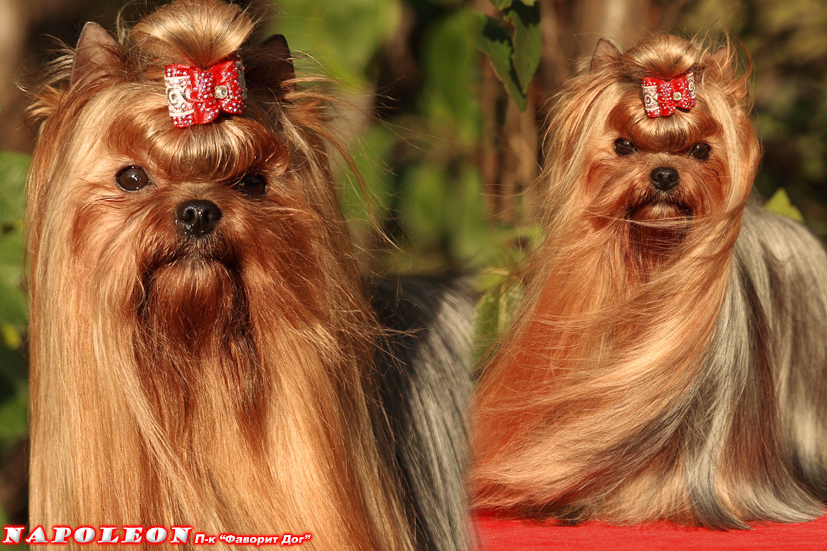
pixel 203 350
pixel 669 362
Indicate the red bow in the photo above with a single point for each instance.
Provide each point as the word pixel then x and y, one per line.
pixel 661 97
pixel 196 96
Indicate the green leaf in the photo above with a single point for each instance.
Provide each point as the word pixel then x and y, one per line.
pixel 495 310
pixel 487 323
pixel 472 239
pixel 780 203
pixel 14 371
pixel 496 42
pixel 451 77
pixel 528 41
pixel 13 169
pixel 10 335
pixel 14 419
pixel 12 300
pixel 501 4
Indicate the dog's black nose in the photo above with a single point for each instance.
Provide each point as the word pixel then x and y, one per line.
pixel 664 178
pixel 197 217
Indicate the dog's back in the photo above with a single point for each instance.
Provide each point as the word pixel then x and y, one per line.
pixel 423 371
pixel 783 265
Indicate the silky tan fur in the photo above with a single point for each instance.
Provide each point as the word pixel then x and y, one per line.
pixel 668 362
pixel 232 382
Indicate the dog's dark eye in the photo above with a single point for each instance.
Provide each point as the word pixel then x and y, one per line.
pixel 624 147
pixel 700 151
pixel 132 178
pixel 252 185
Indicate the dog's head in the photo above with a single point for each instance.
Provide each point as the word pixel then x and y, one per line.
pixel 654 142
pixel 169 261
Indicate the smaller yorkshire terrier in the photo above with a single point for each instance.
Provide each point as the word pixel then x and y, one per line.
pixel 204 352
pixel 669 361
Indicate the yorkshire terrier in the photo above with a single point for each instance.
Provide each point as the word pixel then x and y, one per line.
pixel 668 362
pixel 204 351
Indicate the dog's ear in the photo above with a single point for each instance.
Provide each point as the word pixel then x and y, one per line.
pixel 605 52
pixel 94 52
pixel 274 68
pixel 723 58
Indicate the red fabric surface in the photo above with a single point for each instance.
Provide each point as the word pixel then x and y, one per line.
pixel 514 535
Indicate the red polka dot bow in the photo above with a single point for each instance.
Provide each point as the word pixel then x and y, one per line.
pixel 661 97
pixel 197 96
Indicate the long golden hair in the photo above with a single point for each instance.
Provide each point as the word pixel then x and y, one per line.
pixel 228 389
pixel 598 400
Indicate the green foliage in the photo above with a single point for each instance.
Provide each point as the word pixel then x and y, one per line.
pixel 501 292
pixel 14 395
pixel 496 41
pixel 13 418
pixel 451 72
pixel 344 36
pixel 515 54
pixel 419 168
pixel 443 208
pixel 443 205
pixel 472 236
pixel 501 4
pixel 528 41
pixel 369 199
pixel 425 188
pixel 494 312
pixel 780 203
pixel 12 303
pixel 13 168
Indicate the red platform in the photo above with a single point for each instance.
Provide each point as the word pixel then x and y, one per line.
pixel 514 535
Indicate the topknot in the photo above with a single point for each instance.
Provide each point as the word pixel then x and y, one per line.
pixel 195 32
pixel 663 56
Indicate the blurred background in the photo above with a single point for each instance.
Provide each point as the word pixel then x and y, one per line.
pixel 443 109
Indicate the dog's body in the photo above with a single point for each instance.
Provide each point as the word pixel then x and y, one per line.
pixel 669 360
pixel 427 405
pixel 778 278
pixel 203 350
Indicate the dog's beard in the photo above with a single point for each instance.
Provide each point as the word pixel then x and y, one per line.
pixel 656 227
pixel 194 336
pixel 192 299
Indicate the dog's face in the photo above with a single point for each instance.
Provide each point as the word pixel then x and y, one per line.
pixel 186 234
pixel 186 230
pixel 180 231
pixel 197 250
pixel 661 169
pixel 658 174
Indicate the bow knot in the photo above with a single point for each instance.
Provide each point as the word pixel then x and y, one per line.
pixel 662 97
pixel 197 96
